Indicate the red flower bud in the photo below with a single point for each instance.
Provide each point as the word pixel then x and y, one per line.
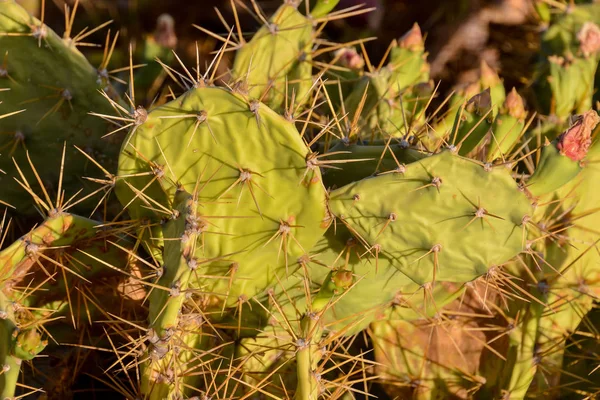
pixel 349 58
pixel 575 141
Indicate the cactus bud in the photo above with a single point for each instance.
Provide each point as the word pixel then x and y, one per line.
pixel 28 344
pixel 164 34
pixel 413 39
pixel 514 105
pixel 489 77
pixel 342 279
pixel 589 39
pixel 560 160
pixel 575 141
pixel 349 58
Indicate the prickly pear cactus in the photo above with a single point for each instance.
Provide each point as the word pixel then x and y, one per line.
pixel 249 175
pixel 314 228
pixel 411 216
pixel 55 104
pixel 279 54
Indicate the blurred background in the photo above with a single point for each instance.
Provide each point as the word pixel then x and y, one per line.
pixel 459 33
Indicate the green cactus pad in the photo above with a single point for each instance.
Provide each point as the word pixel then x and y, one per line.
pixel 281 48
pixel 260 205
pixel 444 212
pixel 77 242
pixel 50 79
pixel 373 159
pixel 375 281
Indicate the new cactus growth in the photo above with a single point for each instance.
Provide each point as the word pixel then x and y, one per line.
pixel 280 49
pixel 508 127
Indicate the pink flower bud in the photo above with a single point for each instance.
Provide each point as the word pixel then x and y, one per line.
pixel 413 39
pixel 589 39
pixel 164 34
pixel 575 141
pixel 349 58
pixel 514 105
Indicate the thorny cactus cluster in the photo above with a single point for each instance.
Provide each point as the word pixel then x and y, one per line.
pixel 308 226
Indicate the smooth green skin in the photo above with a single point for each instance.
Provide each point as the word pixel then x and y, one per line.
pixel 376 85
pixel 376 282
pixel 442 128
pixel 409 109
pixel 323 7
pixel 469 130
pixel 261 355
pixel 376 159
pixel 498 94
pixel 272 57
pixel 234 232
pixel 391 92
pixel 419 304
pixel 506 131
pixel 308 358
pixel 552 172
pixel 32 70
pixel 427 216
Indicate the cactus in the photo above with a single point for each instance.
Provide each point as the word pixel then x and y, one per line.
pixel 56 104
pixel 508 127
pixel 281 48
pixel 384 101
pixel 262 228
pixel 437 195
